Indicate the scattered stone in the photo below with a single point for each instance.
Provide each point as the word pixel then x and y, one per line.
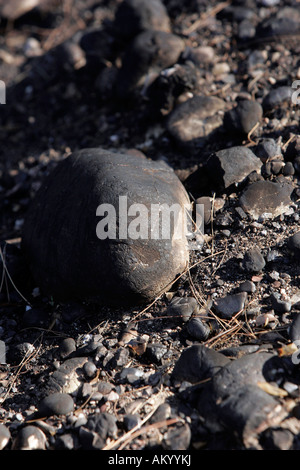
pixel 56 404
pixel 267 149
pixel 197 363
pixel 131 375
pixel 162 413
pixel 104 424
pixel 183 307
pixel 29 438
pixel 247 286
pixel 210 207
pixel 4 436
pixel 278 439
pixel 266 200
pixel 253 260
pixel 67 347
pixel 131 421
pixel 193 121
pixel 294 244
pixel 197 329
pixel 149 53
pixel 243 117
pixel 136 270
pixel 89 370
pixel 155 352
pixel 134 16
pixel 228 306
pixel 177 438
pixel 231 166
pixel 280 306
pixel 277 96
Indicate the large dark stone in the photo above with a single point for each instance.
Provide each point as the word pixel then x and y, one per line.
pixel 67 258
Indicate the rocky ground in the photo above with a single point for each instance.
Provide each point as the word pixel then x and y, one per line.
pixel 213 363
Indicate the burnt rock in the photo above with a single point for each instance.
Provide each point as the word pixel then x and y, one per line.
pixel 65 254
pixel 134 16
pixel 198 329
pixel 279 305
pixel 277 96
pixel 228 306
pixel 231 166
pixel 266 200
pixel 148 53
pixel 182 307
pixel 198 363
pixel 191 123
pixel 56 404
pixel 243 117
pixel 253 260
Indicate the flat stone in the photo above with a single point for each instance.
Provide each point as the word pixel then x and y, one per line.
pixel 247 286
pixel 253 260
pixel 65 254
pixel 182 307
pixel 148 53
pixel 243 117
pixel 56 404
pixel 197 363
pixel 194 120
pixel 231 166
pixel 266 200
pixel 135 16
pixel 228 306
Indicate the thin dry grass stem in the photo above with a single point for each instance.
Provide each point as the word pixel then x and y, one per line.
pixel 251 132
pixel 6 273
pixel 24 361
pixel 203 18
pixel 148 428
pixel 171 283
pixel 284 147
pixel 111 445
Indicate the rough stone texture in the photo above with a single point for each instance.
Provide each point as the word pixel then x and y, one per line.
pixel 191 122
pixel 228 306
pixel 265 199
pixel 253 260
pixel 243 117
pixel 135 16
pixel 232 165
pixel 149 52
pixel 198 363
pixel 60 241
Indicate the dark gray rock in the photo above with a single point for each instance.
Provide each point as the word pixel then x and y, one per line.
pixel 67 347
pixel 29 438
pixel 294 244
pixel 131 421
pixel 198 329
pixel 89 370
pixel 267 148
pixel 60 241
pixel 56 404
pixel 177 438
pixel 191 123
pixel 131 375
pixel 148 53
pixel 277 439
pixel 228 306
pixel 104 424
pixel 266 200
pixel 243 117
pixel 277 96
pixel 247 286
pixel 182 307
pixel 253 260
pixel 286 21
pixel 280 306
pixel 162 413
pixel 288 169
pixel 155 352
pixel 134 16
pixel 4 436
pixel 231 166
pixel 198 363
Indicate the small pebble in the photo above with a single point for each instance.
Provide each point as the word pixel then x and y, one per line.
pixel 29 438
pixel 56 404
pixel 253 260
pixel 197 329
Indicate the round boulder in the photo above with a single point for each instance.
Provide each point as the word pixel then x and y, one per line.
pixel 107 227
